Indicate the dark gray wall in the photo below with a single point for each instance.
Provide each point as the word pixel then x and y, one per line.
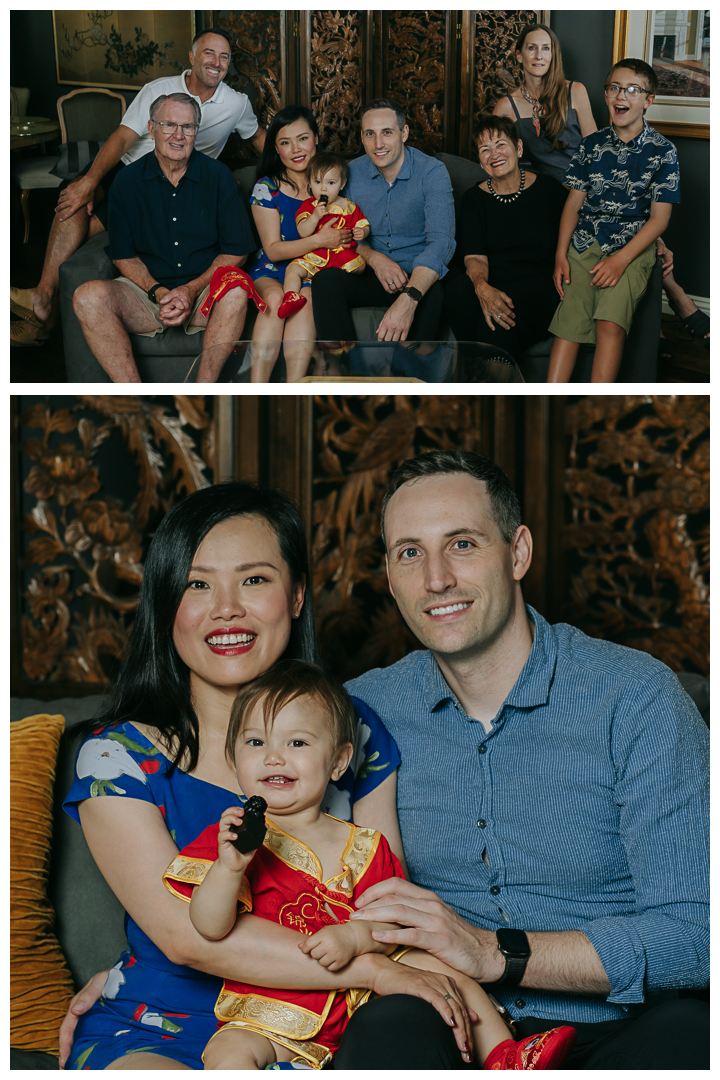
pixel 587 40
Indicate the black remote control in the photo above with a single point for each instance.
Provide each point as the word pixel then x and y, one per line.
pixel 251 833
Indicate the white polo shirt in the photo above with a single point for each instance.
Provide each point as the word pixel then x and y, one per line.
pixel 226 111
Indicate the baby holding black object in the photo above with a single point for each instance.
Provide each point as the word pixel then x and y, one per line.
pixel 291 732
pixel 328 175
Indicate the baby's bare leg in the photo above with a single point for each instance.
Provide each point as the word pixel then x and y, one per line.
pixel 237 1048
pixel 490 1029
pixel 294 277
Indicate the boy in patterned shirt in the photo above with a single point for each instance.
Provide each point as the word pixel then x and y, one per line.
pixel 622 183
pixel 328 176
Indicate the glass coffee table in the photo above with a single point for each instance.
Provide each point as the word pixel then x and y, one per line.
pixel 355 361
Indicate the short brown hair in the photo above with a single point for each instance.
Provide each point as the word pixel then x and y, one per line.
pixel 638 67
pixel 284 682
pixel 500 125
pixel 323 163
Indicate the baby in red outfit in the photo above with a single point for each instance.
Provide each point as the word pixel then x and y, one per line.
pixel 328 176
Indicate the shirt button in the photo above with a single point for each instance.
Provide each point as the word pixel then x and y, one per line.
pixel 174 219
pixel 520 1003
pixel 176 243
pixel 179 264
pixel 482 823
pixel 482 749
pixel 495 890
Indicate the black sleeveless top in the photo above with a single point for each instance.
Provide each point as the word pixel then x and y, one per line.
pixel 538 148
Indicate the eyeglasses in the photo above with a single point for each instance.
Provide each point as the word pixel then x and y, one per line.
pixel 631 92
pixel 169 129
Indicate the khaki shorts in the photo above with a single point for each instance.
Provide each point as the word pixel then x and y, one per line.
pixel 584 304
pixel 154 309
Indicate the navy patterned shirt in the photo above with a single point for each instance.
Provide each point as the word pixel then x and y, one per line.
pixel 622 180
pixel 589 796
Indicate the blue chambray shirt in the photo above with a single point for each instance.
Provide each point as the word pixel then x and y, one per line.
pixel 622 180
pixel 411 220
pixel 590 796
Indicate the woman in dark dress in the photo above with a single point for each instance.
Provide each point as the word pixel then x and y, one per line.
pixel 507 239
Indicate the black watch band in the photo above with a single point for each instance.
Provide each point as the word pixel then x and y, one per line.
pixel 413 293
pixel 515 947
pixel 151 291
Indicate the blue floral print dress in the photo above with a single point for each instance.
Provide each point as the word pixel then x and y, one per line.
pixel 149 1003
pixel 266 193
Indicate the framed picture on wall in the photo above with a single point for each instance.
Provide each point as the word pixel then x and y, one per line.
pixel 121 49
pixel 676 44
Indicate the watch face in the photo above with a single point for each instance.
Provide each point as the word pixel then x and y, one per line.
pixel 513 942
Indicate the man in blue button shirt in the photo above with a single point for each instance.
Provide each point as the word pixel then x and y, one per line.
pixel 175 216
pixel 553 794
pixel 407 198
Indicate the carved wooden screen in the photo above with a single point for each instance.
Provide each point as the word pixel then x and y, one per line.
pixel 443 67
pixel 615 491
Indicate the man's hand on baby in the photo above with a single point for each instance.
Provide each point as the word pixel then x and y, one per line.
pixel 228 855
pixel 334 946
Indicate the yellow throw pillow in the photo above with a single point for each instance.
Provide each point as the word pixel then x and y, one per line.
pixel 40 981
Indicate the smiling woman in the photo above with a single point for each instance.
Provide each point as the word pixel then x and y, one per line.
pixel 223 598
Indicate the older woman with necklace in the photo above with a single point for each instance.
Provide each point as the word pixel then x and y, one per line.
pixel 510 222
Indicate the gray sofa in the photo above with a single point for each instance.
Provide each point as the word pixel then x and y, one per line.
pixel 168 357
pixel 90 926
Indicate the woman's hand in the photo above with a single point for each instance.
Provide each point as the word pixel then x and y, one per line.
pixel 83 1000
pixel 561 274
pixel 440 991
pixel 497 306
pixel 330 237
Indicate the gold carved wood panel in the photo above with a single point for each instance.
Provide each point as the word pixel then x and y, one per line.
pixel 336 78
pixel 637 540
pixel 357 442
pixel 95 477
pixel 418 44
pixel 259 55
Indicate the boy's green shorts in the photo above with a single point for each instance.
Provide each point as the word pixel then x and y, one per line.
pixel 575 317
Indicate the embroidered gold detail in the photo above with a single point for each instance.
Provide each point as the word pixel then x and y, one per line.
pixel 185 869
pixel 357 856
pixel 271 1017
pixel 292 852
pixel 315 1054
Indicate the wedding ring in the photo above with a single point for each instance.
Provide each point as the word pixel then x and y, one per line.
pixel 448 997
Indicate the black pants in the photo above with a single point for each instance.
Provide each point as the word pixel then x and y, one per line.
pixel 466 318
pixel 400 1032
pixel 335 293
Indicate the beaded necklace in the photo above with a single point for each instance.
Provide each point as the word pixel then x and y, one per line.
pixel 507 198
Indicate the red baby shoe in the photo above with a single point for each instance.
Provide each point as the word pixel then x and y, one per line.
pixel 291 302
pixel 544 1051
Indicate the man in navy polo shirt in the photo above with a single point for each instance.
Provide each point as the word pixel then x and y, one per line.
pixel 175 216
pixel 552 793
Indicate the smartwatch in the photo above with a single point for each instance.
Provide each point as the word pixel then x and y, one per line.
pixel 515 947
pixel 151 291
pixel 412 292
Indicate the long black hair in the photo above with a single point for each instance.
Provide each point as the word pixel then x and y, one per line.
pixel 153 684
pixel 270 163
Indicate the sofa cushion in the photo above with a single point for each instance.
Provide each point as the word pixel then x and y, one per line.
pixel 40 981
pixel 90 918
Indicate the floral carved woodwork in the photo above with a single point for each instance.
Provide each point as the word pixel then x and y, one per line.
pixel 638 538
pixel 416 68
pixel 336 85
pixel 256 56
pixel 358 441
pixel 85 558
pixel 496 70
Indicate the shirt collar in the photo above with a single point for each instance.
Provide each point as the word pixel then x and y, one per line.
pixel 533 683
pixel 405 169
pixel 639 140
pixel 184 90
pixel 153 170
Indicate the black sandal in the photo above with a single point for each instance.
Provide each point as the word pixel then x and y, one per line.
pixel 697 323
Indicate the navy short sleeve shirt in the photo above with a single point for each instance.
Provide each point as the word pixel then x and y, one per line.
pixel 177 231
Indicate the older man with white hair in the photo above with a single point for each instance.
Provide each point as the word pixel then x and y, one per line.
pixel 82 209
pixel 175 216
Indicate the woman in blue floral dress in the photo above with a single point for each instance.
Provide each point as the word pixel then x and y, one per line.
pixel 223 598
pixel 290 144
